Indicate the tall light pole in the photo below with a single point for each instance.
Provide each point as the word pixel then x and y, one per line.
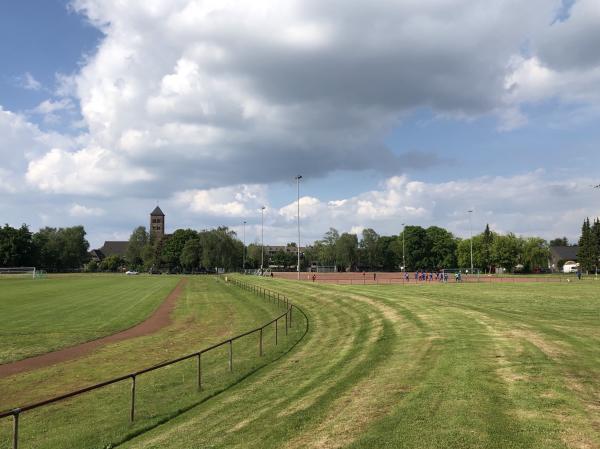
pixel 244 250
pixel 470 212
pixel 403 257
pixel 298 178
pixel 262 238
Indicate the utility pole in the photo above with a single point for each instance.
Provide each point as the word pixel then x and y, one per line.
pixel 298 178
pixel 470 212
pixel 262 239
pixel 403 256
pixel 244 250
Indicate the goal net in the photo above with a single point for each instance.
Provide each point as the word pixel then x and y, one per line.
pixel 323 269
pixel 16 272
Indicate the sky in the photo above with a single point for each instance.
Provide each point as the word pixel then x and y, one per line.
pixel 393 112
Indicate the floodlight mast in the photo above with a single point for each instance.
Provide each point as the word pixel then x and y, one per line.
pixel 262 239
pixel 298 178
pixel 470 212
pixel 403 256
pixel 244 250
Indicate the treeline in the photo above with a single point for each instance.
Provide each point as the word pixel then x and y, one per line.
pixel 589 246
pixel 51 249
pixel 430 248
pixel 186 250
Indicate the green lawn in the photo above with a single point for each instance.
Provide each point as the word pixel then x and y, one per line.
pixel 437 366
pixel 208 312
pixel 382 366
pixel 38 316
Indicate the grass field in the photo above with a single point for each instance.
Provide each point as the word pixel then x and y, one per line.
pixel 208 312
pixel 37 316
pixel 430 366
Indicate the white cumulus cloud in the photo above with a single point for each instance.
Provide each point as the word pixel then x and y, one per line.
pixel 78 210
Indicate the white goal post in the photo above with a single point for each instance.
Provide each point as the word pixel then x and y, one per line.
pixel 18 271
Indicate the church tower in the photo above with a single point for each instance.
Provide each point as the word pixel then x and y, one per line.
pixel 157 223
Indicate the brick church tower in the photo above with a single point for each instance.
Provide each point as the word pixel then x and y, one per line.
pixel 157 223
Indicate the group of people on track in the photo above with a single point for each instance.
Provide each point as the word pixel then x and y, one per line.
pixel 420 276
pixel 430 276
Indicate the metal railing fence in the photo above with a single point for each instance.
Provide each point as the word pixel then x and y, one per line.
pixel 277 298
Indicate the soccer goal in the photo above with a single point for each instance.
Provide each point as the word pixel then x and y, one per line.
pixel 15 272
pixel 462 274
pixel 323 268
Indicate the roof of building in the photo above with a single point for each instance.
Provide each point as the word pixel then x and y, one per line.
pixel 96 253
pixel 112 248
pixel 564 252
pixel 157 212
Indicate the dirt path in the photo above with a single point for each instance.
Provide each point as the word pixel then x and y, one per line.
pixel 159 319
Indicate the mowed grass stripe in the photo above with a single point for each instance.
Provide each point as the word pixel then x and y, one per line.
pixel 451 376
pixel 300 397
pixel 524 403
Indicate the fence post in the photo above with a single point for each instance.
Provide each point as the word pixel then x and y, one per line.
pixel 199 371
pixel 15 444
pixel 276 331
pixel 286 323
pixel 132 411
pixel 230 355
pixel 260 343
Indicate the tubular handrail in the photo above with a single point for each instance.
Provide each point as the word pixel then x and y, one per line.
pixel 260 291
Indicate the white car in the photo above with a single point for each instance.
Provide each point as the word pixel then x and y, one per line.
pixel 131 273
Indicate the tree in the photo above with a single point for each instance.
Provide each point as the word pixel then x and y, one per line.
pixel 389 250
pixel 91 266
pixel 369 247
pixel 346 251
pixel 589 252
pixel 253 255
pixel 61 249
pixel 16 246
pixel 487 241
pixel 191 254
pixel 281 259
pixel 138 241
pixel 327 254
pixel 506 251
pixel 220 249
pixel 415 243
pixel 173 247
pixel 74 252
pixel 112 263
pixel 47 247
pixel 559 241
pixel 441 248
pixel 535 253
pixel 463 252
pixel 596 239
pixel 584 255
